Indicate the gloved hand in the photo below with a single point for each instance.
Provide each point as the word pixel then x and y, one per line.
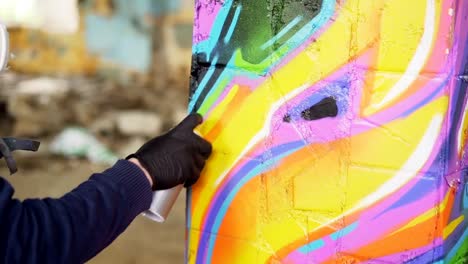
pixel 176 157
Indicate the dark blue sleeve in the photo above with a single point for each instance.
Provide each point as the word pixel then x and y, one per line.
pixel 77 226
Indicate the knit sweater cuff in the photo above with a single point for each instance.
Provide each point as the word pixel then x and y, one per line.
pixel 134 184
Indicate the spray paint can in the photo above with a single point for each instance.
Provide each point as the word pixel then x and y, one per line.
pixel 164 200
pixel 162 203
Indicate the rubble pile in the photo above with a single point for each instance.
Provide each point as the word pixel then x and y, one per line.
pixel 120 116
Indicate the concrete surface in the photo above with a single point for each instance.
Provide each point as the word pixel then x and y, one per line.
pixel 143 242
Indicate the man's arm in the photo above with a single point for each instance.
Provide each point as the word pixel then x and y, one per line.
pixel 77 226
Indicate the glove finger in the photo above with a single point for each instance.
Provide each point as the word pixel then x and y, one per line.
pixel 199 161
pixel 203 147
pixel 189 123
pixel 192 179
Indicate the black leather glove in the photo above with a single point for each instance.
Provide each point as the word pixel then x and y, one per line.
pixel 176 157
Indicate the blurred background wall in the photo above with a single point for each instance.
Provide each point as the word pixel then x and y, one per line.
pixel 93 80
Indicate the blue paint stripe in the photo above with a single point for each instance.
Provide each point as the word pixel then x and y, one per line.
pixel 208 45
pixel 417 192
pixel 202 85
pixel 214 89
pixel 427 257
pixel 283 32
pixel 231 193
pixel 221 79
pixel 428 99
pixel 325 14
pixel 424 186
pixel 228 36
pixel 312 246
pixel 457 246
pixel 328 8
pixel 343 232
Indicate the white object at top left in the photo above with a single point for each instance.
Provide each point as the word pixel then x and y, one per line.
pixel 52 16
pixel 4 47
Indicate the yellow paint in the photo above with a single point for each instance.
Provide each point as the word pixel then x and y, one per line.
pixel 218 111
pixel 400 39
pixel 322 57
pixel 344 172
pixel 463 133
pixel 448 230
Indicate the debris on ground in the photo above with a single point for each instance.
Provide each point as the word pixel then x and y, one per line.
pixel 76 142
pixel 139 123
pixel 116 115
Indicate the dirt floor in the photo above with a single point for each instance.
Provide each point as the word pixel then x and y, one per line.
pixel 143 242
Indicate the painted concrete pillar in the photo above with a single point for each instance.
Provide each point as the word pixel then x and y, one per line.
pixel 339 131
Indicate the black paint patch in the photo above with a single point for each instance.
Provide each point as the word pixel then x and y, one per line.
pixel 325 108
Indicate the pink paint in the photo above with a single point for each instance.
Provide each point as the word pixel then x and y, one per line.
pixel 376 228
pixel 365 218
pixel 205 16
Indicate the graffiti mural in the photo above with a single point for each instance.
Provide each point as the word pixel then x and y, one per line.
pixel 339 131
